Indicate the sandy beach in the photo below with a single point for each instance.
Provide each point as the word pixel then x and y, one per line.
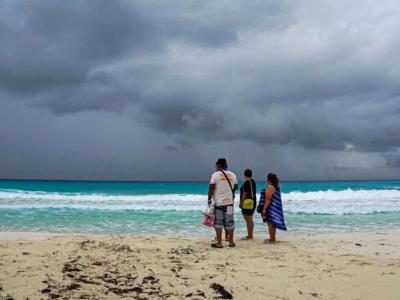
pixel 347 266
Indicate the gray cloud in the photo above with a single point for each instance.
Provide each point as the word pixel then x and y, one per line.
pixel 47 45
pixel 188 77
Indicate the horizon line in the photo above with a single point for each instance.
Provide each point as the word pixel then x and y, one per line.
pixel 186 181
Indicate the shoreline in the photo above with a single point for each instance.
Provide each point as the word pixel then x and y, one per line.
pixel 40 235
pixel 100 266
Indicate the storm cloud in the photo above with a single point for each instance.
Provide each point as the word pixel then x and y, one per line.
pixel 154 90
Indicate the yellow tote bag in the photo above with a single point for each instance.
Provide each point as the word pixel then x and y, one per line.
pixel 249 202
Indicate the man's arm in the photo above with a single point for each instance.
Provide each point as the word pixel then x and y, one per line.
pixel 235 187
pixel 236 184
pixel 211 189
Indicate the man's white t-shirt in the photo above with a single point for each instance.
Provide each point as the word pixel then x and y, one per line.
pixel 223 193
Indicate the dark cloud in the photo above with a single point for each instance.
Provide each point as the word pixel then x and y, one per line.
pixel 119 81
pixel 47 44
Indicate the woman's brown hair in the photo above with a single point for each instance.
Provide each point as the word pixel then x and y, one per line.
pixel 273 178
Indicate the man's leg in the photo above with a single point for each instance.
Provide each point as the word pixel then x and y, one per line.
pixel 230 236
pixel 229 225
pixel 218 225
pixel 218 233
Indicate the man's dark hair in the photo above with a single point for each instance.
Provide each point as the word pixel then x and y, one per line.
pixel 221 162
pixel 248 173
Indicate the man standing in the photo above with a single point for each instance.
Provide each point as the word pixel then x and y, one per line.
pixel 222 188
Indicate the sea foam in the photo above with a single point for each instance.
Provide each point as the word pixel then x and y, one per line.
pixel 317 202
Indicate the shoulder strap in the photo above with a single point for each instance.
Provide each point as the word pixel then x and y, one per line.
pixel 230 185
pixel 251 188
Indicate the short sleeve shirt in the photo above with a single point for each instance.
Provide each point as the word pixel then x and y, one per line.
pixel 249 189
pixel 223 193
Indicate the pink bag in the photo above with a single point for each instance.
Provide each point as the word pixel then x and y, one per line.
pixel 208 220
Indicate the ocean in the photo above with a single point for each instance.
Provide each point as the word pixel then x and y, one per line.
pixel 175 209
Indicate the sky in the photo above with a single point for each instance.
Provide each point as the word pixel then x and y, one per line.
pixel 159 90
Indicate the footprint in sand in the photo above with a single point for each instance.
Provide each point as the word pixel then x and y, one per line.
pixel 360 262
pixel 388 273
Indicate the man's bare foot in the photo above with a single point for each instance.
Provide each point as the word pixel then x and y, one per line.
pixel 269 241
pixel 246 238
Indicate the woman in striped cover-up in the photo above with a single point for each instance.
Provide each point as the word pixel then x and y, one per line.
pixel 272 212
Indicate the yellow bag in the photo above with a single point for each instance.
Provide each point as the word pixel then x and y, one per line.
pixel 249 203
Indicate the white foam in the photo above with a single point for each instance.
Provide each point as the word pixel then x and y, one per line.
pixel 344 195
pixel 343 202
pixel 319 202
pixel 26 199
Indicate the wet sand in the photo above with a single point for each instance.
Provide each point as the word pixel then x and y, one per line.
pixel 348 266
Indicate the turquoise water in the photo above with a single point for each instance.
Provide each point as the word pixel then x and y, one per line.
pixel 175 209
pixel 143 188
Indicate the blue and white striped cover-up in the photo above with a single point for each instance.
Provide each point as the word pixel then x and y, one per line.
pixel 274 210
pixel 261 202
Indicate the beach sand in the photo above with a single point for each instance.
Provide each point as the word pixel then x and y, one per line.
pixel 346 266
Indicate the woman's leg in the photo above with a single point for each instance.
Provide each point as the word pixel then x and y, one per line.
pixel 247 226
pixel 272 232
pixel 250 226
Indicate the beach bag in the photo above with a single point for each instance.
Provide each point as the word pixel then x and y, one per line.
pixel 261 203
pixel 208 220
pixel 249 203
pixel 208 215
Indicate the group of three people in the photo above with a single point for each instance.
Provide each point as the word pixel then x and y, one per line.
pixel 221 194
